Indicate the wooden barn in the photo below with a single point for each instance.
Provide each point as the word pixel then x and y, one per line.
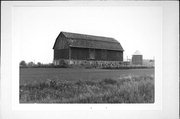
pixel 73 46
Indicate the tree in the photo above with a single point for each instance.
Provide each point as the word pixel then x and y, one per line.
pixel 39 64
pixel 23 63
pixel 31 64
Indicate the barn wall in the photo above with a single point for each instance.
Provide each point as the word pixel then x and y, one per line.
pixel 83 54
pixel 61 54
pixel 79 53
pixel 121 55
pixel 114 55
pixel 108 55
pixel 98 54
pixel 101 54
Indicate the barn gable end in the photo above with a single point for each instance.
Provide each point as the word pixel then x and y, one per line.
pixel 61 42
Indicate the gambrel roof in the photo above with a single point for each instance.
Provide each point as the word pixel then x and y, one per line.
pixel 89 41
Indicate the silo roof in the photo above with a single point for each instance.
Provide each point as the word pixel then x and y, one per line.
pixel 137 53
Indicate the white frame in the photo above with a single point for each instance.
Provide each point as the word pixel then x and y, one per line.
pixel 167 65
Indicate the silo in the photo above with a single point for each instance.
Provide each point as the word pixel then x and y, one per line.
pixel 137 58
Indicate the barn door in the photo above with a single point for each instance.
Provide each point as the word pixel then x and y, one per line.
pixel 91 54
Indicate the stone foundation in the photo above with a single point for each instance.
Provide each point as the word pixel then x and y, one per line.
pixel 89 63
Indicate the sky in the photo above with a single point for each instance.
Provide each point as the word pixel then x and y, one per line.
pixel 135 27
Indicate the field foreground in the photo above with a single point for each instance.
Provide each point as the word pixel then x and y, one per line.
pixel 129 89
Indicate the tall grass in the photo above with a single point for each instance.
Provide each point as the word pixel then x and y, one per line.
pixel 124 90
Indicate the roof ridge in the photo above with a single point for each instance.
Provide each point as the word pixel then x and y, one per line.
pixel 96 40
pixel 85 35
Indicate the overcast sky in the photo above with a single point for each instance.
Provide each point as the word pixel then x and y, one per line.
pixel 136 28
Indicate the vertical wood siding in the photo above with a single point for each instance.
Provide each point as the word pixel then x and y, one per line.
pixel 85 54
pixel 137 59
pixel 61 44
pixel 114 55
pixel 98 54
pixel 108 55
pixel 80 53
pixel 61 54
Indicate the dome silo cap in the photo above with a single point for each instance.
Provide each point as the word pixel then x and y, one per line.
pixel 137 53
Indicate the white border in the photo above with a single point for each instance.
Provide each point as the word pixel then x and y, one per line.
pixel 169 86
pixel 15 71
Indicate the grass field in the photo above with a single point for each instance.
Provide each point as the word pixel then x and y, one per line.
pixel 37 75
pixel 54 85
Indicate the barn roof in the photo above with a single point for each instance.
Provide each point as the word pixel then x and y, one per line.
pixel 90 41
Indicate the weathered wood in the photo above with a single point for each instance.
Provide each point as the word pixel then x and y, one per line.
pixel 83 47
pixel 137 59
pixel 61 54
pixel 69 53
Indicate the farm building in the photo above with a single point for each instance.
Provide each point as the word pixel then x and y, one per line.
pixel 79 47
pixel 137 58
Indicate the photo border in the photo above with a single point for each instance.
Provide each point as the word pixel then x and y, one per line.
pixel 13 67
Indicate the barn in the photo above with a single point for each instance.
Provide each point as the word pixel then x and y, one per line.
pixel 80 47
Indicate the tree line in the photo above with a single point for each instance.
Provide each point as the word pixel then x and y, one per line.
pixel 24 64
